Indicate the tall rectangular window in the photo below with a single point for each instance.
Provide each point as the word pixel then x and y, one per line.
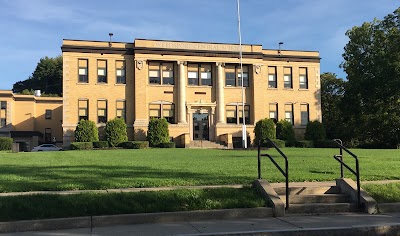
pixel 83 71
pixel 120 70
pixel 101 71
pixel 246 114
pixel 272 77
pixel 101 111
pixel 305 117
pixel 193 74
pixel 47 135
pixel 161 73
pixel 167 73
pixel 205 72
pixel 234 114
pixel 168 113
pixel 231 115
pixel 154 73
pixel 273 111
pixel 233 76
pixel 230 75
pixel 155 111
pixel 245 76
pixel 121 109
pixel 289 113
pixel 287 77
pixel 3 113
pixel 303 78
pixel 48 114
pixel 83 107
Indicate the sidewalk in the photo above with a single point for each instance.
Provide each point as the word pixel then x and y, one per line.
pixel 299 225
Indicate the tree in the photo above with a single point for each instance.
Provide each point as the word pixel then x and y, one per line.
pixel 86 131
pixel 47 77
pixel 116 132
pixel 332 92
pixel 285 131
pixel 315 131
pixel 372 98
pixel 157 132
pixel 265 128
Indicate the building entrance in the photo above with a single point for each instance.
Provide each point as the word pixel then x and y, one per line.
pixel 200 126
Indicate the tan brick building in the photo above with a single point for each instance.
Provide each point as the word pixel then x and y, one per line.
pixel 30 120
pixel 195 86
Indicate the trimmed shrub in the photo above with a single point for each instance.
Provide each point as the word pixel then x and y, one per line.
pixel 305 144
pixel 116 132
pixel 157 132
pixel 167 145
pixel 81 145
pixel 279 143
pixel 315 131
pixel 5 143
pixel 134 144
pixel 265 128
pixel 86 131
pixel 285 131
pixel 325 144
pixel 100 144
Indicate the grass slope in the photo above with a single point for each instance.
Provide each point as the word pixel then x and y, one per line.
pixel 384 193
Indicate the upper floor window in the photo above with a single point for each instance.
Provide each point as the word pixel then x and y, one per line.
pixel 48 114
pixel 121 109
pixel 83 71
pixel 305 118
pixel 234 114
pixel 233 76
pixel 3 111
pixel 101 71
pixel 289 113
pixel 272 83
pixel 120 70
pixel 273 111
pixel 199 74
pixel 161 73
pixel 83 107
pixel 287 77
pixel 303 78
pixel 101 111
pixel 166 111
pixel 3 105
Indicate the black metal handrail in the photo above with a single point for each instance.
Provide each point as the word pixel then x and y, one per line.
pixel 284 173
pixel 339 158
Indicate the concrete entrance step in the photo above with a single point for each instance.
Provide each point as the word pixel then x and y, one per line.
pixel 205 144
pixel 321 208
pixel 317 198
pixel 308 190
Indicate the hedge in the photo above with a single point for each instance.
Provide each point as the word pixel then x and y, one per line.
pixel 134 144
pixel 279 143
pixel 325 144
pixel 265 128
pixel 5 143
pixel 86 131
pixel 305 144
pixel 116 132
pixel 167 145
pixel 100 144
pixel 81 145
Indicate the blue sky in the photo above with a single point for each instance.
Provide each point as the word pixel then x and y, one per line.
pixel 32 29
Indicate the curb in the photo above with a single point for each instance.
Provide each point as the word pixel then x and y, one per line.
pixel 389 208
pixel 130 219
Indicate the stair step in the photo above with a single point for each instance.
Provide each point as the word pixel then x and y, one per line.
pixel 321 208
pixel 205 144
pixel 316 198
pixel 308 190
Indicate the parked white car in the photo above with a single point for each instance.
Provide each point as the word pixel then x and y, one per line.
pixel 46 147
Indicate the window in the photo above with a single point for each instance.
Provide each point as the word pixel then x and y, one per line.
pixel 164 70
pixel 287 77
pixel 121 109
pixel 205 72
pixel 303 78
pixel 101 111
pixel 272 77
pixel 233 76
pixel 2 122
pixel 289 113
pixel 273 111
pixel 83 106
pixel 166 111
pixel 83 71
pixel 3 113
pixel 3 105
pixel 305 118
pixel 120 70
pixel 101 71
pixel 233 112
pixel 48 114
pixel 47 135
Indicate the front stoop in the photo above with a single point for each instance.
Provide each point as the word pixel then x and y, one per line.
pixel 205 144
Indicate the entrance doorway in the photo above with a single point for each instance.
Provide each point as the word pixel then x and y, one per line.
pixel 200 126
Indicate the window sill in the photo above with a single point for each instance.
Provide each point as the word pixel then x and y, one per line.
pixel 102 84
pixel 235 87
pixel 303 89
pixel 289 89
pixel 161 85
pixel 199 86
pixel 120 84
pixel 81 83
pixel 272 88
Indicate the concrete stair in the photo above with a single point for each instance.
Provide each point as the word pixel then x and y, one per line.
pixel 205 144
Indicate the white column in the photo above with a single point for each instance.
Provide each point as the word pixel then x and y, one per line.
pixel 182 93
pixel 220 93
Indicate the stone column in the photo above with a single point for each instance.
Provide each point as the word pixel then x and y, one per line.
pixel 220 93
pixel 182 93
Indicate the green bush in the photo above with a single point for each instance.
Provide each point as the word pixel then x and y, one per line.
pixel 81 145
pixel 116 131
pixel 167 145
pixel 100 144
pixel 325 144
pixel 304 144
pixel 5 143
pixel 157 132
pixel 265 128
pixel 279 143
pixel 285 131
pixel 134 144
pixel 315 131
pixel 86 131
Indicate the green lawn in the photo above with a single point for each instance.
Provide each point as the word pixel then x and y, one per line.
pixel 101 169
pixel 384 192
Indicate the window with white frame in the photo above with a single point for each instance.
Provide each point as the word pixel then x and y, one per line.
pixel 289 113
pixel 83 71
pixel 101 111
pixel 303 78
pixel 120 72
pixel 272 83
pixel 83 107
pixel 287 77
pixel 121 109
pixel 166 111
pixel 273 111
pixel 101 71
pixel 305 117
pixel 234 114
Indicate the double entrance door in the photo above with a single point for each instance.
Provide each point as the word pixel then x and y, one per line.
pixel 200 126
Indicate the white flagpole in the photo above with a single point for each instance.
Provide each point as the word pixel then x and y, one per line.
pixel 244 133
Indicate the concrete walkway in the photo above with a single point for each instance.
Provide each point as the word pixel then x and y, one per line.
pixel 299 225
